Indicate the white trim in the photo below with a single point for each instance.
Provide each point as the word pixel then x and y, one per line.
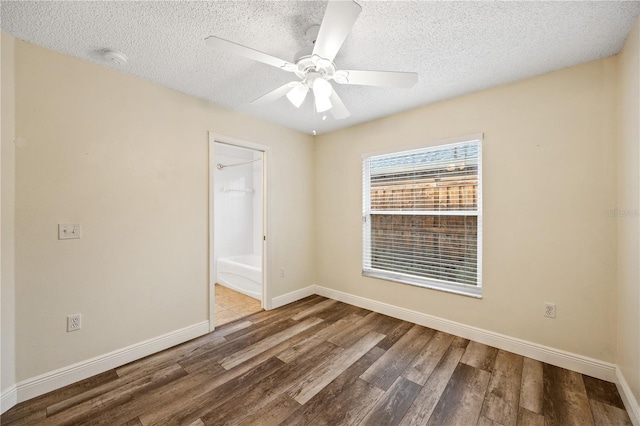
pixel 64 376
pixel 8 398
pixel 581 364
pixel 294 296
pixel 630 402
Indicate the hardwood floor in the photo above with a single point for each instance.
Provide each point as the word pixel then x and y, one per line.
pixel 322 362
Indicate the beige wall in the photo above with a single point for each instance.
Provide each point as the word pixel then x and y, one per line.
pixel 128 160
pixel 549 165
pixel 7 295
pixel 628 353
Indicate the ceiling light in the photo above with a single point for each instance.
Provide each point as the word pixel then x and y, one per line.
pixel 322 104
pixel 297 94
pixel 322 88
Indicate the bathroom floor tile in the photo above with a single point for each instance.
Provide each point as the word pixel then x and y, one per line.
pixel 231 305
pixel 226 316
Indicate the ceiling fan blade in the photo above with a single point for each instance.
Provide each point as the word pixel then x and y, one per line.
pixel 378 78
pixel 273 95
pixel 336 26
pixel 247 52
pixel 339 111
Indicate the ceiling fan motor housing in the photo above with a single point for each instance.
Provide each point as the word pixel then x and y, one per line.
pixel 308 63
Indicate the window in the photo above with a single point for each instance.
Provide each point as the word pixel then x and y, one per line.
pixel 422 217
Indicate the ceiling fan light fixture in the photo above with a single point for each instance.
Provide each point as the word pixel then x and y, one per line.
pixel 322 104
pixel 321 88
pixel 297 94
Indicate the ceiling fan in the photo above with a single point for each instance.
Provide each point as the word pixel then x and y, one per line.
pixel 314 65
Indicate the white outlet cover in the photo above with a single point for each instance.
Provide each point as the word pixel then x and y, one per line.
pixel 74 322
pixel 550 310
pixel 69 231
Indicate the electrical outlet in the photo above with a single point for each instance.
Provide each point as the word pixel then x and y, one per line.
pixel 74 322
pixel 281 272
pixel 549 310
pixel 69 231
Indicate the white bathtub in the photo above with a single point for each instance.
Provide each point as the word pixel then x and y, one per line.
pixel 241 273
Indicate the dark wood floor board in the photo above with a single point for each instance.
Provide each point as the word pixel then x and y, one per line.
pixel 372 322
pixel 461 401
pixel 529 418
pixel 367 323
pixel 324 362
pixel 231 327
pixel 165 358
pixel 154 398
pixel 196 402
pixel 63 414
pixel 35 406
pixel 352 406
pixel 503 394
pixel 387 369
pixel 108 388
pixel 254 362
pixel 565 400
pixel 605 414
pixel 276 350
pixel 395 335
pixel 286 311
pixel 480 356
pixel 308 312
pixel 421 367
pixel 340 310
pixel 274 413
pixel 32 418
pixel 201 358
pixel 483 421
pixel 133 422
pixel 257 348
pixel 393 405
pixel 271 387
pixel 426 401
pixel 320 376
pixel 297 349
pixel 326 398
pixel 531 387
pixel 605 392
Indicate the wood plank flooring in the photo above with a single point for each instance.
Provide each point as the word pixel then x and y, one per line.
pixel 323 362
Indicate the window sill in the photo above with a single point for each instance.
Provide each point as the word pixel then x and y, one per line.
pixel 460 289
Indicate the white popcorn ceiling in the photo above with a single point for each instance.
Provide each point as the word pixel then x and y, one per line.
pixel 455 47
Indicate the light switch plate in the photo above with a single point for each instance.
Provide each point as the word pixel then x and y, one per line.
pixel 69 231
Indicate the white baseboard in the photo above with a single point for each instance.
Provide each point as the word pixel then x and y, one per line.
pixel 56 379
pixel 8 398
pixel 630 402
pixel 585 365
pixel 294 296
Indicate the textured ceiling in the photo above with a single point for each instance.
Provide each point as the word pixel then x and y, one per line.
pixel 455 47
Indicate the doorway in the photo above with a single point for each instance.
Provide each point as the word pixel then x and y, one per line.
pixel 237 195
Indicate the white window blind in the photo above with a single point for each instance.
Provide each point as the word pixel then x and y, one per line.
pixel 422 217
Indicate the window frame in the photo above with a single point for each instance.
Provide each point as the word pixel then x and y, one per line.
pixel 423 282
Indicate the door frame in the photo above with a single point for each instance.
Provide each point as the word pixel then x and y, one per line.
pixel 266 152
